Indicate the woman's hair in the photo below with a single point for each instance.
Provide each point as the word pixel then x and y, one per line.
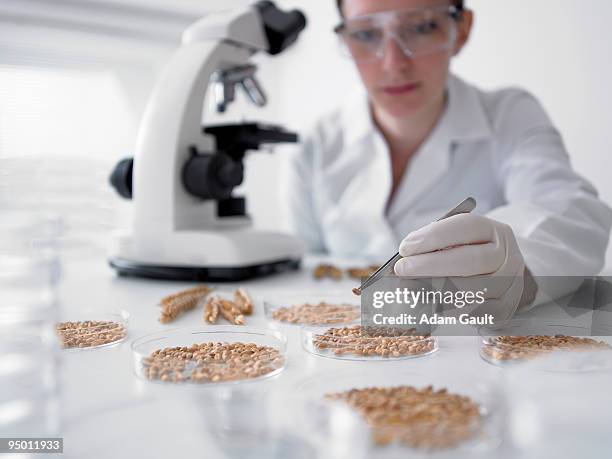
pixel 457 3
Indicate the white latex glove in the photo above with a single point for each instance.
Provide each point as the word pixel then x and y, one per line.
pixel 470 249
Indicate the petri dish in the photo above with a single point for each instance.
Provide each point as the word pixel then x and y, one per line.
pixel 410 411
pixel 548 346
pixel 215 355
pixel 95 330
pixel 349 342
pixel 312 309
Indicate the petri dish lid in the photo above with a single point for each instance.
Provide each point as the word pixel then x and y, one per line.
pixel 430 432
pixel 351 342
pixel 94 336
pixel 198 366
pixel 545 345
pixel 338 307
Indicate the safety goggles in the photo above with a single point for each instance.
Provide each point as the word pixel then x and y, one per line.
pixel 416 32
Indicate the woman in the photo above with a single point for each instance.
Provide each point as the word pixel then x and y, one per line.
pixel 376 172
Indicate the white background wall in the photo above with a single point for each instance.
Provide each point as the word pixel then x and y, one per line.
pixel 558 49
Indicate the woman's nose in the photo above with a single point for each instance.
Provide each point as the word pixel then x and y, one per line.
pixel 395 58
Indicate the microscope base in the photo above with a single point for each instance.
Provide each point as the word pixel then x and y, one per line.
pixel 129 268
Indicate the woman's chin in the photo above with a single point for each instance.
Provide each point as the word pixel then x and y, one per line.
pixel 402 111
pixel 401 106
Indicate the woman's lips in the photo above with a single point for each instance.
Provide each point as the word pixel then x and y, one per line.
pixel 401 89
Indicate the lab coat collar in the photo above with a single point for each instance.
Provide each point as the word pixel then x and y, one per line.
pixel 464 118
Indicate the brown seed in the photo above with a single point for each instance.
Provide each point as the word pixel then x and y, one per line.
pixel 243 301
pixel 327 271
pixel 201 290
pixel 230 312
pixel 239 320
pixel 180 302
pixel 211 311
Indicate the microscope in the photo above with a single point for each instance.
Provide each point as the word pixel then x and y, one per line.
pixel 187 225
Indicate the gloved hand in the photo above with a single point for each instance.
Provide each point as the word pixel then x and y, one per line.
pixel 474 251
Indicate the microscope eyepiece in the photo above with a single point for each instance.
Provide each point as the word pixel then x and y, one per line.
pixel 282 28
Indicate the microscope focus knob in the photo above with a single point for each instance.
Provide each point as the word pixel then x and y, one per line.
pixel 212 176
pixel 121 177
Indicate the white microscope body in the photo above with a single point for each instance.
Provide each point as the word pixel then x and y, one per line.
pixel 177 234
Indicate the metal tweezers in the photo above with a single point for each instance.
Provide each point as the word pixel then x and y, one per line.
pixel 465 207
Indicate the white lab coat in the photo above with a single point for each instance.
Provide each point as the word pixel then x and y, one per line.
pixel 499 147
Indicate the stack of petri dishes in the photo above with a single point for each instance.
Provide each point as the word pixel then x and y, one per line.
pixel 29 272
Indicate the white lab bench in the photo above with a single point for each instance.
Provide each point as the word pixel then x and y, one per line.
pixel 109 413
